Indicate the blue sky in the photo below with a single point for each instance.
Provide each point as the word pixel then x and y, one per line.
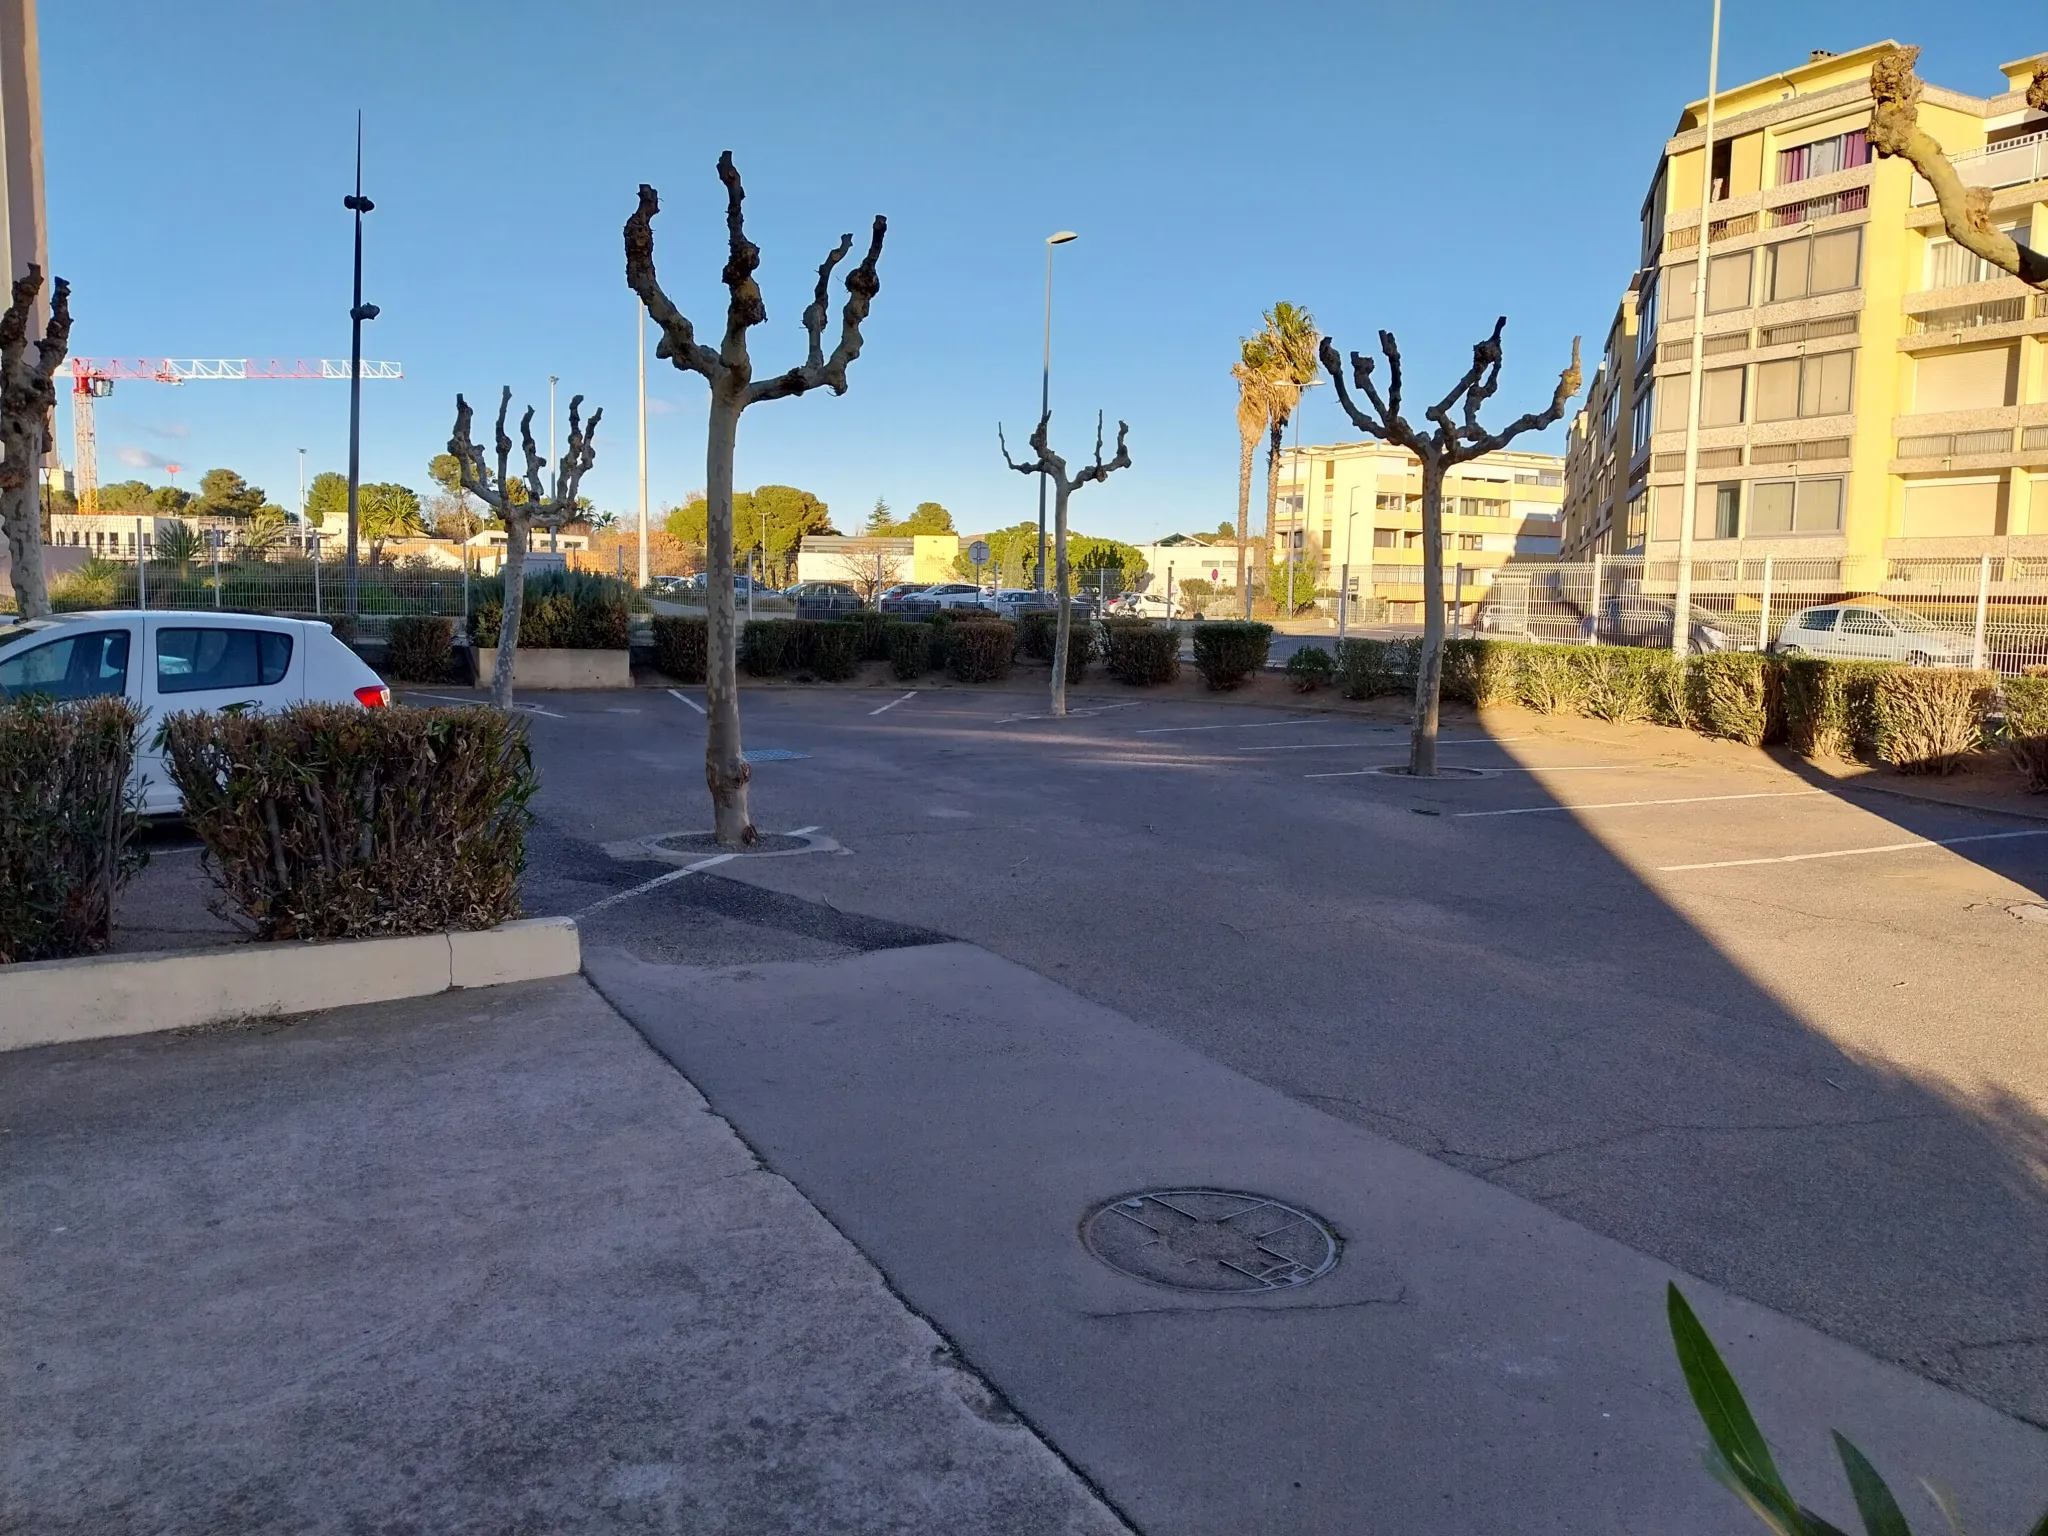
pixel 1424 168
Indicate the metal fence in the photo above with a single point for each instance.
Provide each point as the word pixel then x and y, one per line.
pixel 286 582
pixel 1991 611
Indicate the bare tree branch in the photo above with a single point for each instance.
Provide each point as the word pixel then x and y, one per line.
pixel 1966 211
pixel 746 308
pixel 28 396
pixel 678 342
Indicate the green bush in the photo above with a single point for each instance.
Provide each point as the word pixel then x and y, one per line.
pixel 771 647
pixel 1081 647
pixel 1554 679
pixel 910 649
pixel 326 821
pixel 874 631
pixel 1311 668
pixel 1481 673
pixel 1141 653
pixel 1227 651
pixel 1929 719
pixel 562 610
pixel 2026 728
pixel 980 650
pixel 682 647
pixel 1035 634
pixel 1371 669
pixel 66 823
pixel 1626 684
pixel 1831 706
pixel 419 649
pixel 1735 694
pixel 836 650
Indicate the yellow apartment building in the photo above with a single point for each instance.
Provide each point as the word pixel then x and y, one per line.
pixel 1872 392
pixel 1356 510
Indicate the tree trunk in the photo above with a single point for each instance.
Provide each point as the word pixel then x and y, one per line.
pixel 1273 502
pixel 1244 517
pixel 725 769
pixel 512 582
pixel 23 520
pixel 1429 667
pixel 1064 629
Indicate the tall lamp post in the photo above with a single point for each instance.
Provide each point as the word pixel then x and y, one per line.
pixel 640 315
pixel 1688 495
pixel 358 313
pixel 552 382
pixel 1058 237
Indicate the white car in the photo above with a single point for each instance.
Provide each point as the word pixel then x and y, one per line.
pixel 166 661
pixel 954 594
pixel 1871 629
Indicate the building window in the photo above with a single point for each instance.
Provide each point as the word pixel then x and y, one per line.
pixel 1386 502
pixel 1978 379
pixel 1843 152
pixel 1471 541
pixel 1795 506
pixel 1826 263
pixel 1950 265
pixel 1719 513
pixel 1646 319
pixel 1481 506
pixel 1635 529
pixel 1721 397
pixel 1326 538
pixel 1329 469
pixel 1386 538
pixel 1954 508
pixel 1645 415
pixel 1610 412
pixel 1805 386
pixel 1728 282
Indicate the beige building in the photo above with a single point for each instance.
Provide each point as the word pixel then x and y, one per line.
pixel 1872 392
pixel 1356 510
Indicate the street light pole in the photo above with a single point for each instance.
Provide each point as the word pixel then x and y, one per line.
pixel 553 543
pixel 302 490
pixel 640 314
pixel 1681 597
pixel 1058 237
pixel 358 313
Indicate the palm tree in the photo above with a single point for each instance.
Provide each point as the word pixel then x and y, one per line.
pixel 1251 369
pixel 1289 342
pixel 179 544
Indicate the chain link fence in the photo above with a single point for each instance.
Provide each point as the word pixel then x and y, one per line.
pixel 1990 611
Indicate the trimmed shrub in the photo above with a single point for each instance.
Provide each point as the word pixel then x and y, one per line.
pixel 980 650
pixel 1227 651
pixel 910 649
pixel 1311 668
pixel 563 610
pixel 419 650
pixel 1142 653
pixel 67 823
pixel 836 650
pixel 1482 672
pixel 1929 719
pixel 1554 679
pixel 1081 647
pixel 1036 634
pixel 326 821
pixel 1831 706
pixel 771 647
pixel 2026 728
pixel 874 633
pixel 1735 694
pixel 1626 684
pixel 682 647
pixel 1371 669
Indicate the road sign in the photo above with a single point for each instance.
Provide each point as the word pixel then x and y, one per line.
pixel 977 552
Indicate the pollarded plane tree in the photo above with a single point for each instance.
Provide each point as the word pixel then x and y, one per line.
pixel 729 371
pixel 1965 211
pixel 1456 438
pixel 1064 484
pixel 27 399
pixel 522 506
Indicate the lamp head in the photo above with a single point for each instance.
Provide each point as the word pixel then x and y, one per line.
pixel 1061 237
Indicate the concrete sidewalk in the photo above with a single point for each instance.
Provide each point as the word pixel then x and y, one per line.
pixel 476 1263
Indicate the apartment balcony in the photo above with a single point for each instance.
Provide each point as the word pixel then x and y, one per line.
pixel 1976 312
pixel 1956 442
pixel 2011 164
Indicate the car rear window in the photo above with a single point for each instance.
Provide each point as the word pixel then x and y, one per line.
pixel 195 660
pixel 1818 618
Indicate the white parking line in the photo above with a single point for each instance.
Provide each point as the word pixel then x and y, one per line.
pixel 677 693
pixel 642 889
pixel 1352 773
pixel 1331 746
pixel 1847 853
pixel 1616 805
pixel 893 703
pixel 1256 725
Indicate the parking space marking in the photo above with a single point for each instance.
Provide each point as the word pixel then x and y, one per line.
pixel 1849 853
pixel 1381 768
pixel 1331 746
pixel 677 693
pixel 1256 725
pixel 893 703
pixel 659 880
pixel 448 698
pixel 1617 805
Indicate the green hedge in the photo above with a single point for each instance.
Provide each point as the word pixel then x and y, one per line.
pixel 563 610
pixel 910 648
pixel 1141 653
pixel 1371 669
pixel 1831 706
pixel 874 630
pixel 980 650
pixel 837 649
pixel 1081 648
pixel 1227 651
pixel 419 649
pixel 1035 634
pixel 1481 673
pixel 1311 668
pixel 66 823
pixel 771 647
pixel 682 647
pixel 2026 728
pixel 1929 719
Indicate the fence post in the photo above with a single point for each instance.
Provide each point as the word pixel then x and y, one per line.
pixel 316 573
pixel 1169 592
pixel 1593 605
pixel 1983 597
pixel 1763 618
pixel 1343 597
pixel 213 538
pixel 141 569
pixel 1458 600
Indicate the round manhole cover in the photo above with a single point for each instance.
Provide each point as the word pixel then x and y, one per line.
pixel 1210 1240
pixel 707 842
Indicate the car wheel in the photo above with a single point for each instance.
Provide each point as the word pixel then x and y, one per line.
pixel 1790 650
pixel 1919 659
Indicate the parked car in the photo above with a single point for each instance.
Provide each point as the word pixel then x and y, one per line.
pixel 820 589
pixel 908 598
pixel 1141 605
pixel 1640 620
pixel 670 586
pixel 1012 602
pixel 956 594
pixel 1871 629
pixel 167 661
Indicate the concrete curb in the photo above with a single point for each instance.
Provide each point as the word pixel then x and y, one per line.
pixel 48 1002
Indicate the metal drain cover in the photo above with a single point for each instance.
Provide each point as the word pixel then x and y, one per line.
pixel 1210 1240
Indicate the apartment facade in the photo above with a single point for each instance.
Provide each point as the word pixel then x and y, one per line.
pixel 1355 509
pixel 1871 392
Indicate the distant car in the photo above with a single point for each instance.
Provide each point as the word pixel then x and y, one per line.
pixel 1142 605
pixel 1871 629
pixel 672 584
pixel 1013 601
pixel 820 589
pixel 1639 620
pixel 956 594
pixel 908 598
pixel 167 661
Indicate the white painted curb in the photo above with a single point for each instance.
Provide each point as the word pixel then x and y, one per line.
pixel 47 1002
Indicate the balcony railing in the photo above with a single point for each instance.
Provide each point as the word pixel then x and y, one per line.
pixel 1955 445
pixel 1848 200
pixel 2011 164
pixel 1968 317
pixel 1807 330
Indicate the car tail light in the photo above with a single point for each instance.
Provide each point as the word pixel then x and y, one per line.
pixel 374 696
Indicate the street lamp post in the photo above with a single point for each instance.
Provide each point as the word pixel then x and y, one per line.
pixel 553 542
pixel 358 313
pixel 1058 237
pixel 1681 597
pixel 1344 572
pixel 302 490
pixel 640 315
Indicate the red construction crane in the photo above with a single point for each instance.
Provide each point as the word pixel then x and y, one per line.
pixel 93 379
